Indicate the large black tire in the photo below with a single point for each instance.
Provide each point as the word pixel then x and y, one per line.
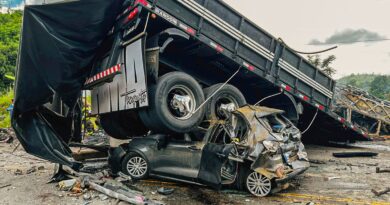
pixel 129 164
pixel 161 117
pixel 227 94
pixel 122 125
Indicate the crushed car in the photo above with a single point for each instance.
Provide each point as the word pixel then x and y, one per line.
pixel 254 148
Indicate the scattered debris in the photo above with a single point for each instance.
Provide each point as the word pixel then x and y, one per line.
pixel 331 178
pixel 67 185
pixel 113 194
pixel 18 172
pixel 87 197
pixel 315 161
pixel 165 191
pixel 382 170
pixel 354 154
pixel 6 136
pixel 103 197
pixel 31 170
pixel 379 193
pixel 4 185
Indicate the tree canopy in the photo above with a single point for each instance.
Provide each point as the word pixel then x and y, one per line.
pixel 377 85
pixel 10 26
pixel 323 64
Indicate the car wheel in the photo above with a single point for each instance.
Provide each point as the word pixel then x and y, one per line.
pixel 122 125
pixel 173 101
pixel 228 96
pixel 136 166
pixel 258 184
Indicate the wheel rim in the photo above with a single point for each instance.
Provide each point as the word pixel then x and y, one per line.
pixel 226 103
pixel 258 184
pixel 181 102
pixel 137 166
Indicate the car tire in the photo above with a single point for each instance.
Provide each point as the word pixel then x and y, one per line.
pixel 227 94
pixel 122 125
pixel 136 166
pixel 163 114
pixel 257 184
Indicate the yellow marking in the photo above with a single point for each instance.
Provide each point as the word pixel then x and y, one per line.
pixel 332 199
pixel 292 197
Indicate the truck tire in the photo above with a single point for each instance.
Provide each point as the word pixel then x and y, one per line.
pixel 227 94
pixel 122 125
pixel 173 99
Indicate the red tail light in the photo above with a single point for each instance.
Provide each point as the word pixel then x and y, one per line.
pixel 132 15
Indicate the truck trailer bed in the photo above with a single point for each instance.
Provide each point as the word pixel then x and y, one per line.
pixel 231 34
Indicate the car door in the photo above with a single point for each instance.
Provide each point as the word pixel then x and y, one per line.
pixel 179 159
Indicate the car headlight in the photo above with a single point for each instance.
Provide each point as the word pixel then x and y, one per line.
pixel 271 146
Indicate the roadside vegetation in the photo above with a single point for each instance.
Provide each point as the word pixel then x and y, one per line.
pixel 5 101
pixel 377 85
pixel 10 25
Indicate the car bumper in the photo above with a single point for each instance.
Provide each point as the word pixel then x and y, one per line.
pixel 291 175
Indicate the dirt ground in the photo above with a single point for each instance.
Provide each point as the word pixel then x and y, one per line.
pixel 329 180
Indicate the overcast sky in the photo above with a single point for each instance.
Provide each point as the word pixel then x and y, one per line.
pixel 303 22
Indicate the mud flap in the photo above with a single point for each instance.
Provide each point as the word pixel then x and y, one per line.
pixel 213 157
pixel 128 90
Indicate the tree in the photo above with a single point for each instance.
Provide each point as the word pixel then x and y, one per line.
pixel 324 64
pixel 380 86
pixel 10 26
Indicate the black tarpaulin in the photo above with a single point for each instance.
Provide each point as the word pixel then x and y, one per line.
pixel 58 43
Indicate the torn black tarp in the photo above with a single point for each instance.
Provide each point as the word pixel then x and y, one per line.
pixel 58 43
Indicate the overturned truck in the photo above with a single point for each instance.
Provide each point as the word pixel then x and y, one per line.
pixel 157 67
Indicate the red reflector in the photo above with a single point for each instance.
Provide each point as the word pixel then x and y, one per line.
pixel 190 31
pixel 342 120
pixel 132 15
pixel 321 107
pixel 304 97
pixel 143 2
pixel 219 48
pixel 286 87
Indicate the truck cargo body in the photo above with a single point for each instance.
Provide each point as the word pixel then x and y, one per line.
pixel 210 41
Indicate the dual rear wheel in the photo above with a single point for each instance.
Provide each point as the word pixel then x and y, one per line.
pixel 176 105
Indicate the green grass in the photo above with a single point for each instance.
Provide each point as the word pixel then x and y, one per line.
pixel 5 100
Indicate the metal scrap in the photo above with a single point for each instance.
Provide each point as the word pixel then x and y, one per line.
pixel 354 154
pixel 379 193
pixel 363 110
pixel 382 170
